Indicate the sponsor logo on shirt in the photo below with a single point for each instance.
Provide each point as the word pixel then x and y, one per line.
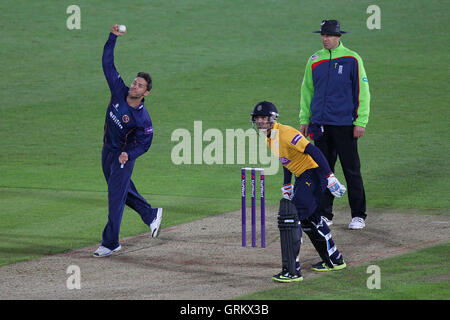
pixel 125 118
pixel 314 57
pixel 115 120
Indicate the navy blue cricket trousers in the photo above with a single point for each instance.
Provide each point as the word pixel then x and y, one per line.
pixel 308 190
pixel 121 191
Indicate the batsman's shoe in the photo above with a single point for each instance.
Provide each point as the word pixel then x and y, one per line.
pixel 322 266
pixel 329 222
pixel 357 223
pixel 104 251
pixel 155 226
pixel 286 277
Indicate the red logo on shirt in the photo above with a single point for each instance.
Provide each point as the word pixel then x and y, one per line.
pixel 125 118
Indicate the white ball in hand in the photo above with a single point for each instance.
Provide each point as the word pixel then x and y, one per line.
pixel 122 28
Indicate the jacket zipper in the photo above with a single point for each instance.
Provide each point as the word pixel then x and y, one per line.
pixel 326 87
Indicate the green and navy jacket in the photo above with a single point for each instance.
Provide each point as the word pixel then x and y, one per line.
pixel 335 89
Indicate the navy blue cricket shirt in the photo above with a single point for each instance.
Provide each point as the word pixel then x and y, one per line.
pixel 126 129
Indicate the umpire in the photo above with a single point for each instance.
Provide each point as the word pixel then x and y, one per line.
pixel 334 111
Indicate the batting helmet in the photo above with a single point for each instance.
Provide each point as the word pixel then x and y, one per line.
pixel 265 109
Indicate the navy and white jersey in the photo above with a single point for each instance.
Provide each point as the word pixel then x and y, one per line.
pixel 126 129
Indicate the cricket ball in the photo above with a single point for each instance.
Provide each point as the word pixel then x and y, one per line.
pixel 122 28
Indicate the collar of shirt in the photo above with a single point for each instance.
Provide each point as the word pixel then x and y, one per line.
pixel 139 107
pixel 274 131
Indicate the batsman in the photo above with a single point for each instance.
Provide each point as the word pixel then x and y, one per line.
pixel 298 207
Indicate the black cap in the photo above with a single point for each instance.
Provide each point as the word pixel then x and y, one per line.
pixel 330 27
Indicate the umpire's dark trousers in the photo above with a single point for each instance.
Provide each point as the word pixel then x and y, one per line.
pixel 121 191
pixel 339 141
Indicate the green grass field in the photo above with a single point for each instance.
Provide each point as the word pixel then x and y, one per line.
pixel 419 275
pixel 211 61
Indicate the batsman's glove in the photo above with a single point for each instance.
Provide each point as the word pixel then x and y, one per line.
pixel 288 191
pixel 336 188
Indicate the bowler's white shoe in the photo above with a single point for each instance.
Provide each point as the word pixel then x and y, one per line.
pixel 104 251
pixel 357 223
pixel 155 226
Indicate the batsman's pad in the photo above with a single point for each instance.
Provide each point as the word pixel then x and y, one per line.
pixel 290 237
pixel 320 236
